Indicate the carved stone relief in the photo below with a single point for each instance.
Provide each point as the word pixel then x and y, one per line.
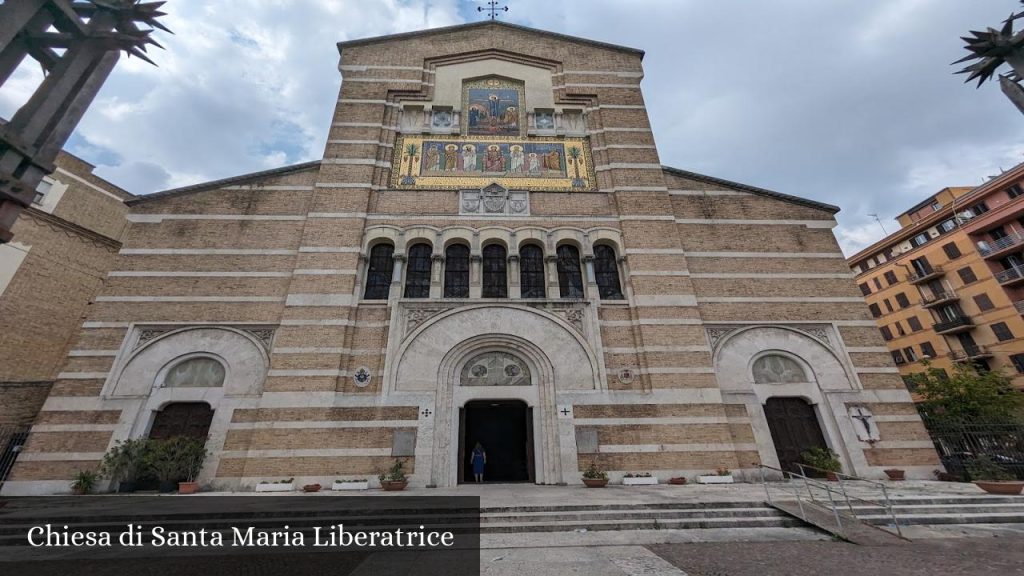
pixel 495 369
pixel 495 199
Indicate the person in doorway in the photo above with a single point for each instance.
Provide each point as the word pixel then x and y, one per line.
pixel 478 459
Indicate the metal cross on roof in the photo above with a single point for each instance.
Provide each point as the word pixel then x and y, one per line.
pixel 493 8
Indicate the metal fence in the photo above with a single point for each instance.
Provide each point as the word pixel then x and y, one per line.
pixel 959 445
pixel 12 439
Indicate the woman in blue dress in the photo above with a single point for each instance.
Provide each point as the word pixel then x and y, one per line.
pixel 478 459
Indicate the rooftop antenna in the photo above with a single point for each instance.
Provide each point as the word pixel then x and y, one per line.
pixel 879 220
pixel 493 8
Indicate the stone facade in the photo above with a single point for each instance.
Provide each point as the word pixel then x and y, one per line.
pixel 63 246
pixel 357 303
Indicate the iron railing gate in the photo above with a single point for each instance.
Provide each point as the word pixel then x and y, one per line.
pixel 959 445
pixel 12 439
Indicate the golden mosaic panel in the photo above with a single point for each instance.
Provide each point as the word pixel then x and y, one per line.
pixel 461 162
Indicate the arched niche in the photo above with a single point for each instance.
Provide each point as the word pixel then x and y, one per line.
pixel 243 358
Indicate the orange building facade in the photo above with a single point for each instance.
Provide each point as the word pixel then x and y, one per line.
pixel 948 287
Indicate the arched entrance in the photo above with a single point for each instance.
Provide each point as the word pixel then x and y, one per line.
pixel 504 428
pixel 188 419
pixel 794 428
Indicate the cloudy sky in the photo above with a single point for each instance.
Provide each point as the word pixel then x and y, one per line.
pixel 852 102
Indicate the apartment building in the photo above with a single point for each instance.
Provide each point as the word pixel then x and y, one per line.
pixel 948 287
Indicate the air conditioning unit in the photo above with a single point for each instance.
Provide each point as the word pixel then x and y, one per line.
pixel 965 215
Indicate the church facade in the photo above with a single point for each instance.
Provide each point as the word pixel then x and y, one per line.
pixel 490 251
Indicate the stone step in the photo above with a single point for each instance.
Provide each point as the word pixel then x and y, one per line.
pixel 777 521
pixel 601 515
pixel 950 517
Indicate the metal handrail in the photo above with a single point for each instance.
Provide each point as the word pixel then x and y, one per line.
pixel 808 482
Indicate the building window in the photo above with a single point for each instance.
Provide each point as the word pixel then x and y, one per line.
pixel 875 310
pixel 495 271
pixel 936 206
pixel 902 300
pixel 897 357
pixel 899 329
pixel 379 272
pixel 1014 191
pixel 947 225
pixel 1018 362
pixel 1002 331
pixel 888 305
pixel 606 268
pixel 864 288
pixel 417 271
pixel 952 252
pixel 927 350
pixel 890 277
pixel 921 266
pixel 909 352
pixel 967 275
pixel 531 271
pixel 570 278
pixel 878 283
pixel 919 240
pixel 456 271
pixel 914 323
pixel 886 333
pixel 978 209
pixel 42 190
pixel 984 302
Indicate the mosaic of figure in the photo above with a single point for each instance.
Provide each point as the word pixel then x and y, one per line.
pixel 527 159
pixel 493 108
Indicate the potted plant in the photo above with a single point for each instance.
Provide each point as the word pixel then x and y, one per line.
pixel 824 460
pixel 895 474
pixel 394 479
pixel 992 477
pixel 164 459
pixel 357 484
pixel 193 453
pixel 678 480
pixel 125 462
pixel 643 479
pixel 279 486
pixel 84 482
pixel 721 476
pixel 595 477
pixel 311 487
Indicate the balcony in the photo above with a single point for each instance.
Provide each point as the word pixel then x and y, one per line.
pixel 1001 247
pixel 1011 276
pixel 970 353
pixel 954 326
pixel 919 277
pixel 938 298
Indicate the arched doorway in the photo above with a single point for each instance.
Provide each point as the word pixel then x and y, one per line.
pixel 505 430
pixel 188 419
pixel 794 428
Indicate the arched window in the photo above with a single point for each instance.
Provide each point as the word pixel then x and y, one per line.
pixel 201 372
pixel 570 280
pixel 417 271
pixel 456 271
pixel 606 268
pixel 495 273
pixel 378 273
pixel 778 369
pixel 531 271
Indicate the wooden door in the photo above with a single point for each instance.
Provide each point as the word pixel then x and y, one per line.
pixel 188 419
pixel 794 427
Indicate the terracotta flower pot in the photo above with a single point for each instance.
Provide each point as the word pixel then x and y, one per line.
pixel 595 482
pixel 311 488
pixel 1010 488
pixel 831 477
pixel 896 474
pixel 680 481
pixel 188 487
pixel 394 485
